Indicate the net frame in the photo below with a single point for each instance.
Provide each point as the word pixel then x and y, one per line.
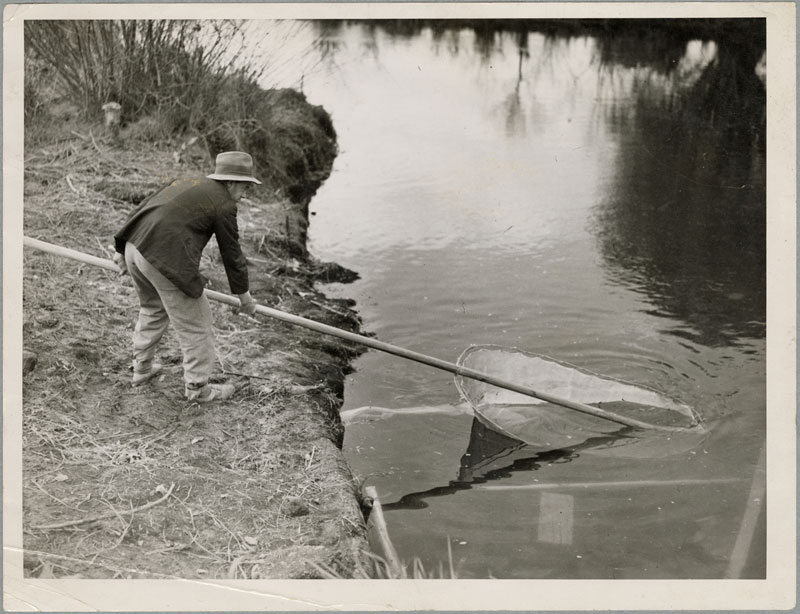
pixel 463 383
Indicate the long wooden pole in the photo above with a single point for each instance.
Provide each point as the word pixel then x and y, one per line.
pixel 375 344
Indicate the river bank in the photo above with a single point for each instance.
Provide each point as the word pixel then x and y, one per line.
pixel 139 483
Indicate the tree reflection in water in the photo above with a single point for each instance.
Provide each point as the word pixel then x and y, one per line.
pixel 684 219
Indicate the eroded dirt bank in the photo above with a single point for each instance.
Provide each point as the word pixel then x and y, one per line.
pixel 127 483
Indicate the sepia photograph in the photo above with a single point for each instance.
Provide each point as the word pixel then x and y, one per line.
pixel 343 296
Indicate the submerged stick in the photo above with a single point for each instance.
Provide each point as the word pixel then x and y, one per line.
pixel 395 567
pixel 379 345
pixel 753 509
pixel 680 483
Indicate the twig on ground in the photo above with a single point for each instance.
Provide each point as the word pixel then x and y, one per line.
pixel 175 548
pixel 71 187
pixel 74 523
pixel 235 566
pixel 222 524
pixel 159 437
pixel 242 331
pixel 115 569
pixel 96 146
pixel 251 260
pixel 331 309
pixel 310 457
pixel 226 372
pixel 122 535
pixel 53 497
pixel 100 243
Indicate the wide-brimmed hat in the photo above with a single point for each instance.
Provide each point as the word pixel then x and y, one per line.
pixel 234 166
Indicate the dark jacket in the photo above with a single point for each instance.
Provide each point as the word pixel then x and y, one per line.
pixel 171 227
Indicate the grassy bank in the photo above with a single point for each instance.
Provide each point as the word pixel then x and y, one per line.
pixel 124 482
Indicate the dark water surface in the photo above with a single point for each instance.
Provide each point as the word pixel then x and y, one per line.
pixel 561 196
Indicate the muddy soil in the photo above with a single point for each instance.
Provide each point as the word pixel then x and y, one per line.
pixel 123 482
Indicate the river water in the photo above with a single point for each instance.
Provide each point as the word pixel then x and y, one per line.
pixel 546 193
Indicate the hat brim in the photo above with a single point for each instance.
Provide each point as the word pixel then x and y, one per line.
pixel 233 178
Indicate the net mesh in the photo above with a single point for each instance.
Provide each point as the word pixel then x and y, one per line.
pixel 538 422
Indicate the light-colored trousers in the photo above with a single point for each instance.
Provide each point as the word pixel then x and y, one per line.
pixel 161 302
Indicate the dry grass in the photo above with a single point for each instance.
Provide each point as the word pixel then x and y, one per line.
pixel 140 482
pixel 380 569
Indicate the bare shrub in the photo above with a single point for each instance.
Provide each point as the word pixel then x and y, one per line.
pixel 184 77
pixel 166 67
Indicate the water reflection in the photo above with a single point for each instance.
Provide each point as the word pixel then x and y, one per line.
pixel 489 456
pixel 516 124
pixel 656 43
pixel 684 219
